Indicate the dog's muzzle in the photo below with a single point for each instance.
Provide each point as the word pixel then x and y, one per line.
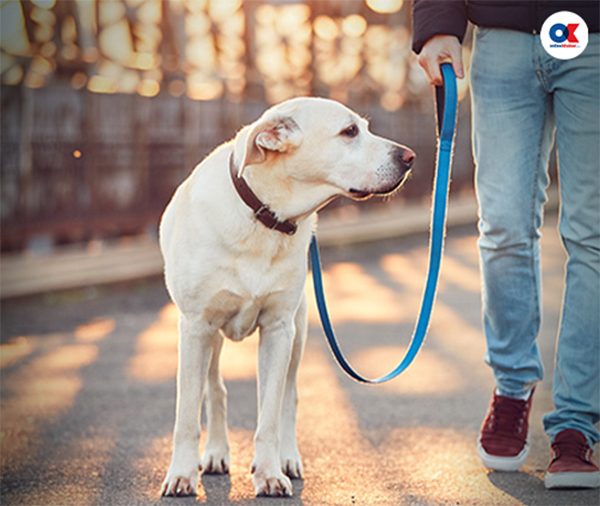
pixel 403 159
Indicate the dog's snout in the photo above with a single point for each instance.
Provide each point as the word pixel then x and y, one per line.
pixel 409 157
pixel 405 157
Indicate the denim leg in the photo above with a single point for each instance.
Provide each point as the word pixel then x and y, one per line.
pixel 576 389
pixel 513 125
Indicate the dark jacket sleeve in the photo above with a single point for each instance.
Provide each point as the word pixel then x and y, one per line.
pixel 438 17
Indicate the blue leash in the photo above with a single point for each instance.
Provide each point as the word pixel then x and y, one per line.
pixel 446 103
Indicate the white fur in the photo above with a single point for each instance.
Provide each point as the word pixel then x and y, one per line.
pixel 228 274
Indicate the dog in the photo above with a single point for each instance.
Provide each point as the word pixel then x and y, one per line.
pixel 234 239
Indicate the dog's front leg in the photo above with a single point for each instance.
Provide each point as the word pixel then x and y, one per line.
pixel 195 349
pixel 274 354
pixel 291 463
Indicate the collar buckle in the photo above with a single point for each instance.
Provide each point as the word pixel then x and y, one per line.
pixel 266 217
pixel 261 211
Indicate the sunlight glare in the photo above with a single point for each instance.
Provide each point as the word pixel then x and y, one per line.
pixel 148 88
pixel 222 10
pixel 326 28
pixel 40 392
pixel 385 6
pixel 156 349
pixel 14 350
pixel 201 87
pixel 408 271
pixel 355 296
pixel 103 84
pixel 429 374
pixel 13 36
pixel 329 430
pixel 115 42
pixel 454 468
pixel 99 328
pixel 150 12
pixel 354 26
pixel 239 359
pixel 111 12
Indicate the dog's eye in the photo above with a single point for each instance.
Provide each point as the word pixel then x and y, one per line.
pixel 351 131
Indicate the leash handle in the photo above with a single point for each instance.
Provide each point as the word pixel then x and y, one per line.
pixel 446 105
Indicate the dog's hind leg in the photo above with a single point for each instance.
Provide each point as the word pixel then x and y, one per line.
pixel 195 350
pixel 291 463
pixel 215 459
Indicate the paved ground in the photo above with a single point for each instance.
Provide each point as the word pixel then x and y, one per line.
pixel 88 393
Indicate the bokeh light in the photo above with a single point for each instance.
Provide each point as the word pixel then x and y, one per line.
pixel 385 6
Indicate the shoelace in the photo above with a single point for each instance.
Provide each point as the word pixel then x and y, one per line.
pixel 507 415
pixel 575 448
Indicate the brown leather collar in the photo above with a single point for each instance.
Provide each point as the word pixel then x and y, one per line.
pixel 261 212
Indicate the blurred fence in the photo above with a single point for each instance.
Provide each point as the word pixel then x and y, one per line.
pixel 107 106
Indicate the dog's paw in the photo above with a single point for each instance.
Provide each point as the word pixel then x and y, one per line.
pixel 180 483
pixel 178 486
pixel 216 459
pixel 280 486
pixel 272 486
pixel 291 464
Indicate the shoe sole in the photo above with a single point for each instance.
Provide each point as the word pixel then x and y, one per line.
pixel 572 480
pixel 508 464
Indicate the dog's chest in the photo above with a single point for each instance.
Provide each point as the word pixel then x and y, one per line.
pixel 251 295
pixel 236 316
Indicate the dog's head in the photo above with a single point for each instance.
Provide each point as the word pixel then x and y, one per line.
pixel 321 146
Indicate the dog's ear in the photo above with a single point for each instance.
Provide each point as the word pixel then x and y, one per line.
pixel 279 135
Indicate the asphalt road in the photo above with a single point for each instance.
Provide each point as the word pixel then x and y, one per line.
pixel 88 393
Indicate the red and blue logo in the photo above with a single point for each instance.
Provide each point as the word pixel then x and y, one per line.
pixel 564 35
pixel 560 33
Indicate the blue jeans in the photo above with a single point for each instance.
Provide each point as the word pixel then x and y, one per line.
pixel 522 99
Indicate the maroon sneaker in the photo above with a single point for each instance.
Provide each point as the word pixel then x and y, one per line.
pixel 572 465
pixel 504 440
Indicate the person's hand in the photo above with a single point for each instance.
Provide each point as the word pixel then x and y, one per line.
pixel 438 49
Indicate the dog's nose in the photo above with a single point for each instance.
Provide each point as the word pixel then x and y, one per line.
pixel 409 157
pixel 405 157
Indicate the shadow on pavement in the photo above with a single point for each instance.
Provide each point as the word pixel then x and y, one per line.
pixel 529 489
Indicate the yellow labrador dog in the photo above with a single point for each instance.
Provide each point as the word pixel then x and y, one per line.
pixel 235 238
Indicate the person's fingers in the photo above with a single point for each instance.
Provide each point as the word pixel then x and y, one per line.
pixel 432 69
pixel 437 50
pixel 457 63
